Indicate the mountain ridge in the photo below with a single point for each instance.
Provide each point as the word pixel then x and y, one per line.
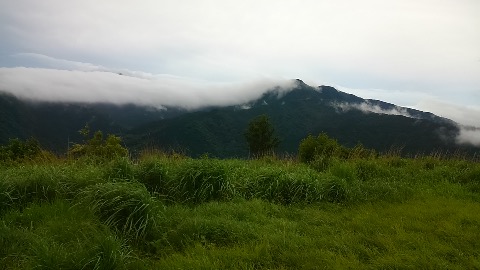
pixel 219 130
pixel 311 104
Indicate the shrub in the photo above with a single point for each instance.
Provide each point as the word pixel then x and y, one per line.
pixel 308 149
pixel 19 151
pixel 97 146
pixel 321 146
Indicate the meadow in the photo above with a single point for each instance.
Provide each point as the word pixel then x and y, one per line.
pixel 164 211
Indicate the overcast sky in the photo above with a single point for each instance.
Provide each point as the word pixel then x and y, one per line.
pixel 418 53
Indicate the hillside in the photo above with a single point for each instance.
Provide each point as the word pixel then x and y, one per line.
pixel 219 130
pixel 302 111
pixel 55 124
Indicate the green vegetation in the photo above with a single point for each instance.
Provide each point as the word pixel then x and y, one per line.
pixel 20 151
pixel 337 208
pixel 261 136
pixel 97 147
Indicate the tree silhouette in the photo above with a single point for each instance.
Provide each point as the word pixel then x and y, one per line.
pixel 261 136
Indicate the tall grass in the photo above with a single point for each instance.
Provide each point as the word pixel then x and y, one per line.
pixel 30 183
pixel 179 213
pixel 124 206
pixel 57 236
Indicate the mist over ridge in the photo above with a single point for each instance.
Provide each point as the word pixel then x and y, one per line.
pixel 96 84
pixel 53 85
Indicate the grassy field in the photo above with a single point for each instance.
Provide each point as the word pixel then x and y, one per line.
pixel 172 212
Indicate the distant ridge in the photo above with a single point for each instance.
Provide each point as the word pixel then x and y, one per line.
pixel 219 130
pixel 297 113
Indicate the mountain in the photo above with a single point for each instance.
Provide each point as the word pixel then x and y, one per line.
pixel 219 130
pixel 295 114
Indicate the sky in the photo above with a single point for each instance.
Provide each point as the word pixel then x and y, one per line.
pixel 423 54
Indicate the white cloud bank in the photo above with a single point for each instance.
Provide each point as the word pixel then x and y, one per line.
pixel 40 84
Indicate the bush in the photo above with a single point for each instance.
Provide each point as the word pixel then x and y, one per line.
pixel 98 147
pixel 318 151
pixel 308 149
pixel 19 151
pixel 312 148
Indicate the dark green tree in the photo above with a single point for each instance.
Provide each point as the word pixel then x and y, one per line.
pixel 261 136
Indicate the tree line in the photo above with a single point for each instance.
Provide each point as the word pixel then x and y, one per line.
pixel 260 136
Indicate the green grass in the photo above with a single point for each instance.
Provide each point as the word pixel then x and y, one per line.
pixel 174 212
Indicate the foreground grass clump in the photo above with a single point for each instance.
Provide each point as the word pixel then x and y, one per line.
pixel 57 236
pixel 173 212
pixel 124 206
pixel 32 183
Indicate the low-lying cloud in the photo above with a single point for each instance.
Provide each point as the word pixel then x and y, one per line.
pixel 468 118
pixel 367 107
pixel 97 84
pixel 468 134
pixel 465 115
